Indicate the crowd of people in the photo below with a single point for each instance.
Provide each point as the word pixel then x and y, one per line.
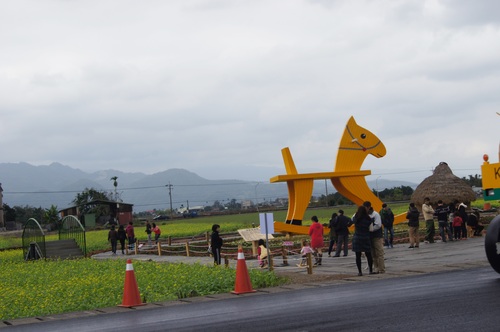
pixel 128 234
pixel 374 231
pixel 454 222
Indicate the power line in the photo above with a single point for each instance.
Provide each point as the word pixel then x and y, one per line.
pixel 130 188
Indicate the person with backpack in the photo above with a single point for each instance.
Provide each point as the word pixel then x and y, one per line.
pixel 388 223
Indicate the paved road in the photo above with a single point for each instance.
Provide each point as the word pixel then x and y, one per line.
pixel 463 300
pixel 462 261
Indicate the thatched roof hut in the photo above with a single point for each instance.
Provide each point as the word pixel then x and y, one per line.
pixel 443 185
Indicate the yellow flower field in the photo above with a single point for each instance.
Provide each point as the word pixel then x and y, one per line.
pixel 39 288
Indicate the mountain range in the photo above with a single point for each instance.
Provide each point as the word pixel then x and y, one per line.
pixel 24 184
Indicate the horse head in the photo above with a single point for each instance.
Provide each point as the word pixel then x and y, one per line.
pixel 356 143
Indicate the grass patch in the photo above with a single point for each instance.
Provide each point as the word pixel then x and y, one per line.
pixel 40 288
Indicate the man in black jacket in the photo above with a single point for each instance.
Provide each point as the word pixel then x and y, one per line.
pixel 388 222
pixel 441 212
pixel 342 229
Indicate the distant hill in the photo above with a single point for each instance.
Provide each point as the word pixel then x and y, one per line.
pixel 56 184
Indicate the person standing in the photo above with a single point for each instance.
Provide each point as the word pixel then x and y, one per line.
pixel 316 234
pixel 457 228
pixel 113 238
pixel 262 253
pixel 148 231
pixel 122 236
pixel 428 213
pixel 342 230
pixel 333 234
pixel 216 244
pixel 452 208
pixel 361 238
pixel 475 223
pixel 130 235
pixel 413 225
pixel 157 232
pixel 441 212
pixel 465 218
pixel 377 241
pixel 388 223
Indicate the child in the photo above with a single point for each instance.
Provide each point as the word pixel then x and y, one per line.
pixel 457 227
pixel 306 249
pixel 262 252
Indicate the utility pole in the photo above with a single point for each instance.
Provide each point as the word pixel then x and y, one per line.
pixel 170 195
pixel 326 191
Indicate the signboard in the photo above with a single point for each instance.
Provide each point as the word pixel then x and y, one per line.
pixel 252 234
pixel 491 181
pixel 266 223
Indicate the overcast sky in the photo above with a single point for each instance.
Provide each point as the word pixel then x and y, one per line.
pixel 219 87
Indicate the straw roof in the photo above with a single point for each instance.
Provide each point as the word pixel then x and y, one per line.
pixel 443 185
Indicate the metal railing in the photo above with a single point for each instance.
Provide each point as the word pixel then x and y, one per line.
pixel 71 228
pixel 33 238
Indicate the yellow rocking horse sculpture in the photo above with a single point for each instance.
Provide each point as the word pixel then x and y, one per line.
pixel 348 178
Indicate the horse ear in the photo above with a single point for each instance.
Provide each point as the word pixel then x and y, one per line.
pixel 351 121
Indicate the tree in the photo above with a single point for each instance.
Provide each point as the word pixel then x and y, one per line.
pixel 115 184
pixel 23 213
pixel 87 196
pixel 51 216
pixel 218 206
pixel 474 181
pixel 233 205
pixel 10 213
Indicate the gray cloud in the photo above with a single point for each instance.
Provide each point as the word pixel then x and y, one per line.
pixel 219 87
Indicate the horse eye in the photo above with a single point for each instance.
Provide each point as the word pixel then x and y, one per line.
pixel 363 136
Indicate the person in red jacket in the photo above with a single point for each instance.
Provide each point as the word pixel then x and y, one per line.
pixel 130 235
pixel 316 234
pixel 157 232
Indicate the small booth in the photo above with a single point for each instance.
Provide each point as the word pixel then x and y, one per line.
pixel 111 211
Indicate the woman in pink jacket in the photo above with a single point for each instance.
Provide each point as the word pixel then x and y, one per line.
pixel 316 234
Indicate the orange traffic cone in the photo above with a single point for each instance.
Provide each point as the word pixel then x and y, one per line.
pixel 131 295
pixel 242 283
